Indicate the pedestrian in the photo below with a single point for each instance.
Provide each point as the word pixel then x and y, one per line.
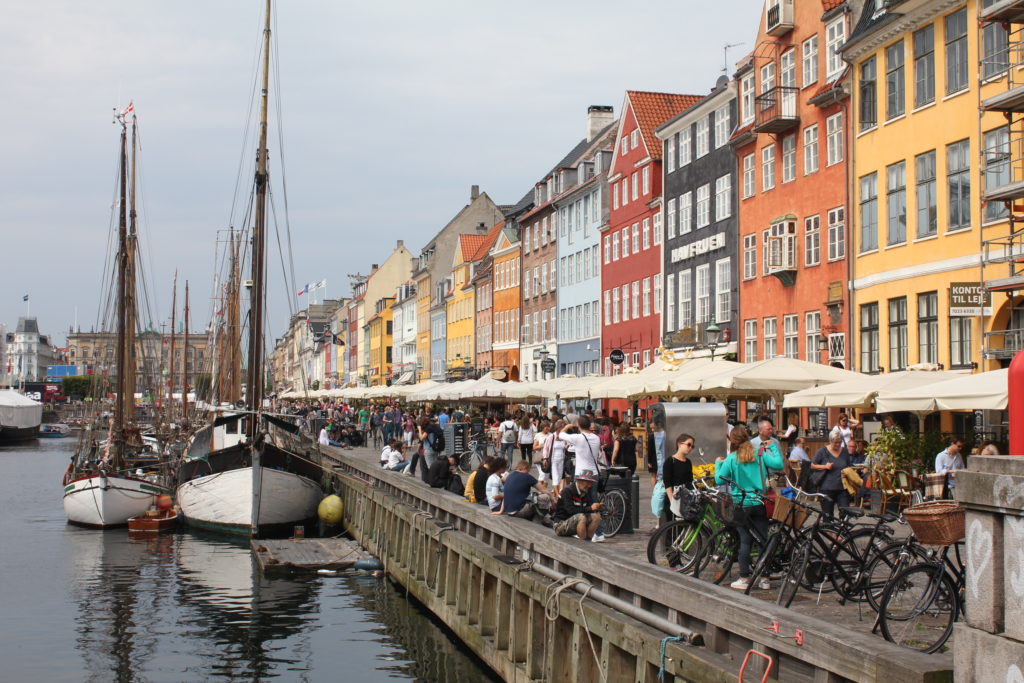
pixel 584 444
pixel 678 470
pixel 554 451
pixel 792 430
pixel 844 427
pixel 949 460
pixel 577 513
pixel 431 437
pixel 507 437
pixel 832 459
pixel 746 471
pixel 527 436
pixel 656 451
pixel 624 449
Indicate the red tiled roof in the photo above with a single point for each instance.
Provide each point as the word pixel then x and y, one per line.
pixel 655 108
pixel 742 131
pixel 469 244
pixel 831 4
pixel 485 243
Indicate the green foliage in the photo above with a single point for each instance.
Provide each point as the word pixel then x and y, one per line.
pixel 78 387
pixel 202 381
pixel 896 450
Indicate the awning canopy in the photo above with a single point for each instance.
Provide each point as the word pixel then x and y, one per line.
pixel 981 391
pixel 862 391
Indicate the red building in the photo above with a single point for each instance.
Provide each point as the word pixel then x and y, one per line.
pixel 631 242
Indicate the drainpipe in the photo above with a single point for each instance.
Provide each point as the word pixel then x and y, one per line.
pixel 850 213
pixel 627 608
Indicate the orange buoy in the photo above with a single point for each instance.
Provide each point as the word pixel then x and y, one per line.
pixel 163 502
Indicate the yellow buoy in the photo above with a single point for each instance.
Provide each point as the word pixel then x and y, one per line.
pixel 330 510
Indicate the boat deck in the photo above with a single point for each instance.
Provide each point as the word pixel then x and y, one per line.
pixel 307 554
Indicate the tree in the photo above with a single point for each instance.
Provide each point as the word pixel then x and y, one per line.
pixel 78 387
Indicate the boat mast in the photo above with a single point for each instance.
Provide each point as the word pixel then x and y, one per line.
pixel 118 433
pixel 131 305
pixel 184 383
pixel 170 362
pixel 254 393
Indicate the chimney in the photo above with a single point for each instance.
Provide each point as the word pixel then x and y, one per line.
pixel 598 118
pixel 401 243
pixel 474 192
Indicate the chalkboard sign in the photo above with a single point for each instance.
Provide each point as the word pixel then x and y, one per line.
pixel 732 408
pixel 817 423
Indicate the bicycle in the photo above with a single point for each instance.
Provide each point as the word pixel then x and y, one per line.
pixel 721 551
pixel 678 544
pixel 614 506
pixel 472 458
pixel 923 601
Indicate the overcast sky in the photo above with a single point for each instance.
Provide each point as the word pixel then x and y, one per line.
pixel 390 112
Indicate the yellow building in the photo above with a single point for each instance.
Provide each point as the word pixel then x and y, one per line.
pixel 380 341
pixel 423 282
pixel 459 305
pixel 919 163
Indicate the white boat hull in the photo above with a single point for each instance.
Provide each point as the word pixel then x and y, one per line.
pixel 100 501
pixel 223 501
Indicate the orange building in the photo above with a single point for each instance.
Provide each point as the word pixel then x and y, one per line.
pixel 506 302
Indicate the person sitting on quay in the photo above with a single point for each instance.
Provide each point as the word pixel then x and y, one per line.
pixel 518 485
pixel 495 491
pixel 576 513
pixel 325 437
pixel 394 456
pixel 441 474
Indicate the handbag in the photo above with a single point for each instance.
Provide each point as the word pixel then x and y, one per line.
pixel 769 493
pixel 658 499
pixel 729 510
pixel 816 479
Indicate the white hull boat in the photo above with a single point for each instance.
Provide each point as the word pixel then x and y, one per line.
pixel 224 501
pixel 100 501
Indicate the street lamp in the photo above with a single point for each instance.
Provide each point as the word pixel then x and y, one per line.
pixel 712 333
pixel 543 353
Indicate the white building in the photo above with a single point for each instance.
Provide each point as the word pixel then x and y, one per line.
pixel 28 354
pixel 404 331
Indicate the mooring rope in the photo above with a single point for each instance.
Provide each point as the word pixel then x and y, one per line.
pixel 551 610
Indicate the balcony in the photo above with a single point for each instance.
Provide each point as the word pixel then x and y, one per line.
pixel 1003 10
pixel 779 18
pixel 776 110
pixel 1003 344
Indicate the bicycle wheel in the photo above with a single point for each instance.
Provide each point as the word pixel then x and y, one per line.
pixel 883 566
pixel 791 581
pixel 765 561
pixel 919 607
pixel 613 512
pixel 466 462
pixel 676 545
pixel 720 554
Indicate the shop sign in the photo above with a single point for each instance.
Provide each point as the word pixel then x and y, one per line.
pixel 968 299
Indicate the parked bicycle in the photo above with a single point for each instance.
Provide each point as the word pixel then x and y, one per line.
pixel 470 459
pixel 677 545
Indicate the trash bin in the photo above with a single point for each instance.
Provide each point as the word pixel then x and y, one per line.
pixel 619 479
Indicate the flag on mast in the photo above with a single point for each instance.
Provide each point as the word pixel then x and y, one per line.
pixel 25 298
pixel 303 290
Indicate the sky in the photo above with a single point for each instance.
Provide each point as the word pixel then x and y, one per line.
pixel 390 112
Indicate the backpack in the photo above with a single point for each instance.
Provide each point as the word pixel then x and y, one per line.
pixel 438 443
pixel 508 434
pixel 605 437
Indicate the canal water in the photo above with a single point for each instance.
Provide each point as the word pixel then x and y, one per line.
pixel 83 605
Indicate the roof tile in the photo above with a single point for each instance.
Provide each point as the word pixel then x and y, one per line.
pixel 485 244
pixel 655 108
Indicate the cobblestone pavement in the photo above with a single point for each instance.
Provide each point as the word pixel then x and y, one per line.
pixel 633 548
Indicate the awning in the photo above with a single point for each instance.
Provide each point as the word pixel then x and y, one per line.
pixel 405 378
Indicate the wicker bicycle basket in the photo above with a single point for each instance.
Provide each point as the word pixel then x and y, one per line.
pixel 937 522
pixel 782 513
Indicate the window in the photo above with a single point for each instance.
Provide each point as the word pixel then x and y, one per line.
pixel 670 154
pixel 791 336
pixel 625 242
pixel 812 240
pixel 647 233
pixel 636 298
pixel 624 185
pixel 837 233
pixel 721 126
pixel 788 158
pixel 702 138
pixel 956 51
pixel 834 138
pixel 636 238
pixel 684 147
pixel 685 214
pixel 924 66
pixel 685 299
pixel 895 87
pixel 636 186
pixel 703 205
pixel 615 247
pixel 869 213
pixel 625 302
pixel 607 254
pixel 835 35
pixel 748 176
pixel 928 327
pixel 781 245
pixel 615 197
pixel 615 304
pixel 768 168
pixel 767 82
pixel 810 149
pixel 647 296
pixel 868 94
pixel 607 306
pixel 997 169
pixel 747 99
pixel 958 178
pixel 749 341
pixel 624 145
pixel 771 337
pixel 646 173
pixel 526 240
pixel 749 256
pixel 723 290
pixel 896 203
pixel 812 333
pixel 927 202
pixel 898 333
pixel 670 211
pixel 723 199
pixel 526 287
pixel 960 342
pixel 703 311
pixel 810 60
pixel 657 227
pixel 657 293
pixel 995 46
pixel 869 337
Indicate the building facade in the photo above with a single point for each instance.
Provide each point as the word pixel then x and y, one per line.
pixel 506 311
pixel 460 309
pixel 27 354
pixel 701 223
pixel 404 366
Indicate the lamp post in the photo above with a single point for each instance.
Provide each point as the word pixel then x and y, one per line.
pixel 712 332
pixel 543 353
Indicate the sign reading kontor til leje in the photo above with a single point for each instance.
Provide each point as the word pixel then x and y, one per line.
pixel 967 299
pixel 617 356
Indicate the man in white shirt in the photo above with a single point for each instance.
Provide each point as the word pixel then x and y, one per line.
pixel 949 460
pixel 586 445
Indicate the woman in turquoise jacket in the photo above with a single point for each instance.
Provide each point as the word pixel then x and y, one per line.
pixel 748 470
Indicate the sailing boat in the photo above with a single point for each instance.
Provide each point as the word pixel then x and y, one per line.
pixel 249 472
pixel 107 481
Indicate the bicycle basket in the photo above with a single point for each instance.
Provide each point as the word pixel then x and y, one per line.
pixel 788 513
pixel 686 504
pixel 729 511
pixel 937 522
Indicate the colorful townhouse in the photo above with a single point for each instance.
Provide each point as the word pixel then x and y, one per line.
pixel 701 254
pixel 481 282
pixel 404 339
pixel 507 302
pixel 792 150
pixel 353 332
pixel 459 309
pixel 583 209
pixel 929 185
pixel 631 273
pixel 381 345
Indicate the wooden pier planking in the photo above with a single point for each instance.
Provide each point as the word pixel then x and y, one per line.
pixel 306 554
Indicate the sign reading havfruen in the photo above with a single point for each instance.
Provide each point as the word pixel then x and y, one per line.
pixel 967 299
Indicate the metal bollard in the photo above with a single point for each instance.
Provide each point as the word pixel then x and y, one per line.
pixel 634 501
